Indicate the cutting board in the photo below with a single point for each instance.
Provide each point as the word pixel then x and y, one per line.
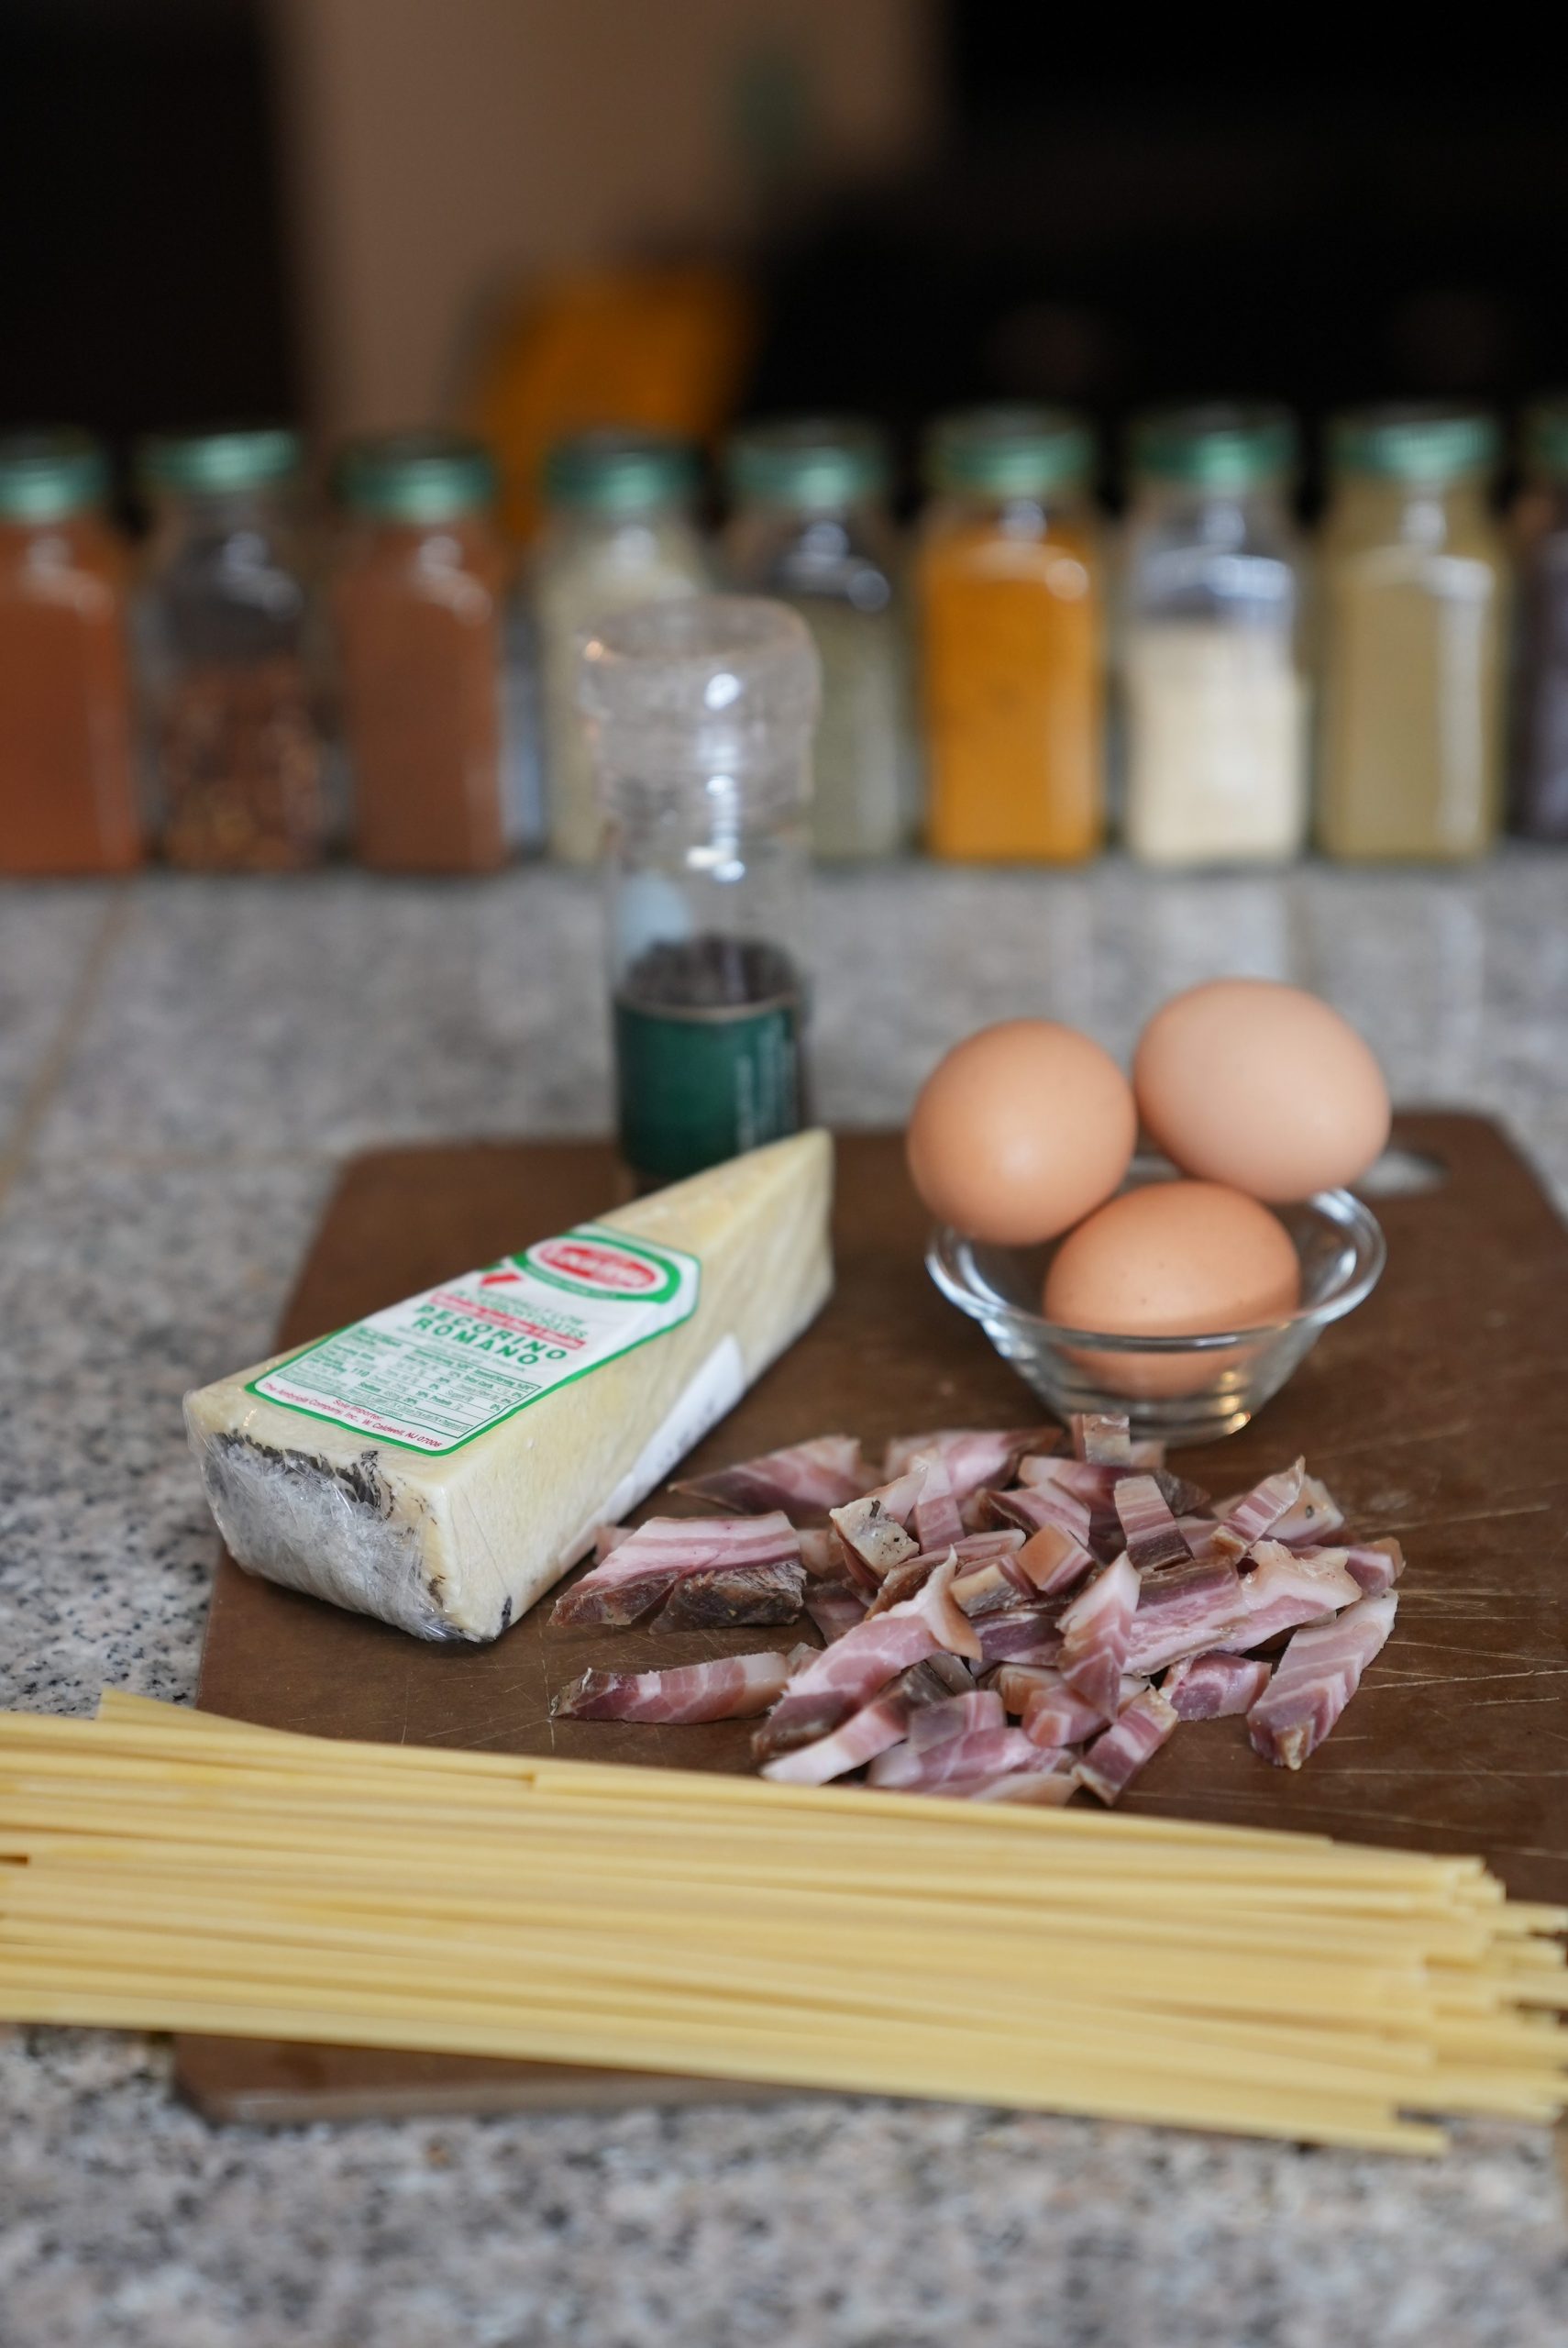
pixel 1439 1411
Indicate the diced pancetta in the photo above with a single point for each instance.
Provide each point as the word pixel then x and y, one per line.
pixel 841 1678
pixel 1102 1436
pixel 1095 1629
pixel 1373 1566
pixel 806 1480
pixel 728 1688
pixel 1114 1759
pixel 974 1456
pixel 937 1523
pixel 934 1604
pixel 643 1571
pixel 835 1606
pixel 872 1541
pixel 1285 1590
pixel 1215 1686
pixel 1315 1679
pixel 1181 1611
pixel 1153 1537
pixel 1027 1636
pixel 1252 1513
pixel 1034 1506
pixel 1053 1562
pixel 874 1728
pixel 730 1598
pixel 821 1552
pixel 960 1715
pixel 980 1752
pixel 1315 1515
pixel 1015 1683
pixel 1056 1715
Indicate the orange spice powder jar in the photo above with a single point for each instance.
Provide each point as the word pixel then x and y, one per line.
pixel 1013 637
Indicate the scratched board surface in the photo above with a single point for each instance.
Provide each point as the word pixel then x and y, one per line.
pixel 1439 1413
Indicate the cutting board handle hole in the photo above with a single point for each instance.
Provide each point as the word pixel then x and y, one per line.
pixel 1403 1174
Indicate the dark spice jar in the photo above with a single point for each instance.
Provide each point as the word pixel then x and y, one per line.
pixel 1540 781
pixel 67 759
pixel 701 712
pixel 419 613
pixel 226 633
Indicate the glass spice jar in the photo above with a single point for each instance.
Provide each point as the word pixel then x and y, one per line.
pixel 700 715
pixel 1013 639
pixel 1413 585
pixel 1540 796
pixel 227 634
pixel 68 799
pixel 619 533
pixel 810 526
pixel 1213 697
pixel 419 595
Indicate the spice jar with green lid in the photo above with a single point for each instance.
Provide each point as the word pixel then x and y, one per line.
pixel 1540 798
pixel 700 715
pixel 226 629
pixel 68 797
pixel 620 532
pixel 1212 692
pixel 809 525
pixel 419 608
pixel 1413 583
pixel 1011 628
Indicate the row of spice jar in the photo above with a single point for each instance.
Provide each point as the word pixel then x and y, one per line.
pixel 1230 690
pixel 231 765
pixel 457 704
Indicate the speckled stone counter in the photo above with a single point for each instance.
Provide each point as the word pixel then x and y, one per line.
pixel 181 1066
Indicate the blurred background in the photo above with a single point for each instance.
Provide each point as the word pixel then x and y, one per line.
pixel 337 210
pixel 508 224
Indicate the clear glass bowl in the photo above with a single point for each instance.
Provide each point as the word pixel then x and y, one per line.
pixel 1183 1389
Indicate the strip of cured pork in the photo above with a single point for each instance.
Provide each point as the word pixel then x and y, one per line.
pixel 1182 1610
pixel 1216 1686
pixel 1153 1537
pixel 642 1571
pixel 841 1678
pixel 1315 1679
pixel 731 1686
pixel 835 1606
pixel 974 1456
pixel 875 1727
pixel 1097 1626
pixel 806 1480
pixel 1113 1760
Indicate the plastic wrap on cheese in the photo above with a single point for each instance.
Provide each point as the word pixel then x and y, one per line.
pixel 442 1463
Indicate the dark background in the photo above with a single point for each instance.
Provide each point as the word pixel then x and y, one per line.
pixel 1111 219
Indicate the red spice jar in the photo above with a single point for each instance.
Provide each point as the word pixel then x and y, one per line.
pixel 67 755
pixel 419 614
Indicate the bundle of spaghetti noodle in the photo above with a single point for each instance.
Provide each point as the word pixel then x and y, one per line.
pixel 166 1869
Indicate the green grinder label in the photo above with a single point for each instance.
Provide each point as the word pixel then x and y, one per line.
pixel 699 1086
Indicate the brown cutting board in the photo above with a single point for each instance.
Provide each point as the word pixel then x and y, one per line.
pixel 1439 1411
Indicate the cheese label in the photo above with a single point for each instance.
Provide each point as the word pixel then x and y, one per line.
pixel 435 1371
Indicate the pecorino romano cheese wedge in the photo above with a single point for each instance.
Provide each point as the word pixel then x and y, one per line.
pixel 442 1463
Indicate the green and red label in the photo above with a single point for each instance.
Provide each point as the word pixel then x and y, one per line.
pixel 434 1371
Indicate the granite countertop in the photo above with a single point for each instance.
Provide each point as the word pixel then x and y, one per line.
pixel 183 1064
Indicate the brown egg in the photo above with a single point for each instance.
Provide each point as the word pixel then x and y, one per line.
pixel 1262 1086
pixel 1019 1131
pixel 1171 1259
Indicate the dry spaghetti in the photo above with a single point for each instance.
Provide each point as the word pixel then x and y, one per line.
pixel 167 1869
